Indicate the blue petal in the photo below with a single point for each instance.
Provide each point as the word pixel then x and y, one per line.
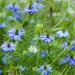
pixel 72 62
pixel 63 62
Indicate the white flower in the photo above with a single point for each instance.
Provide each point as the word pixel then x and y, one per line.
pixel 33 49
pixel 71 11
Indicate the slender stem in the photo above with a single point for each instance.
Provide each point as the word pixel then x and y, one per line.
pixel 67 70
pixel 62 18
pixel 60 54
pixel 64 70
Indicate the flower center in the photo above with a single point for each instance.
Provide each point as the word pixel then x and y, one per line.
pixel 8 45
pixel 45 67
pixel 16 32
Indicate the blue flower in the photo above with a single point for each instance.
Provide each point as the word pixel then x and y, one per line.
pixel 2 26
pixel 65 45
pixel 8 47
pixel 65 60
pixel 44 54
pixel 62 34
pixel 1 72
pixel 47 39
pixel 16 12
pixel 6 58
pixel 13 7
pixel 31 10
pixel 72 62
pixel 18 16
pixel 38 6
pixel 16 35
pixel 69 60
pixel 35 8
pixel 23 69
pixel 45 70
pixel 73 47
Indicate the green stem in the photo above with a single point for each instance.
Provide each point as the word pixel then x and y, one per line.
pixel 63 17
pixel 61 54
pixel 67 70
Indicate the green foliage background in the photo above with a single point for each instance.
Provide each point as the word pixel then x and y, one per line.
pixel 63 20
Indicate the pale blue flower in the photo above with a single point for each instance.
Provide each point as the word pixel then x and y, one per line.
pixel 62 34
pixel 13 7
pixel 8 47
pixel 2 26
pixel 65 45
pixel 68 59
pixel 44 54
pixel 18 16
pixel 38 6
pixel 45 70
pixel 35 8
pixel 47 39
pixel 16 12
pixel 6 59
pixel 16 35
pixel 73 47
pixel 23 69
pixel 31 10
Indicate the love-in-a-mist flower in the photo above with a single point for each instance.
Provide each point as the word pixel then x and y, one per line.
pixel 72 47
pixel 6 59
pixel 18 16
pixel 13 7
pixel 47 39
pixel 33 49
pixel 38 6
pixel 2 26
pixel 8 47
pixel 23 69
pixel 65 45
pixel 68 59
pixel 44 53
pixel 45 70
pixel 31 10
pixel 34 8
pixel 61 34
pixel 16 35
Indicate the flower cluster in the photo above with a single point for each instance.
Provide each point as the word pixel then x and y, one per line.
pixel 33 38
